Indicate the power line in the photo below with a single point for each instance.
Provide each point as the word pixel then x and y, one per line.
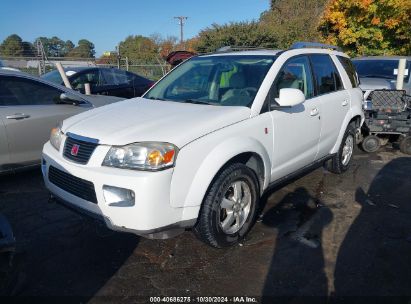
pixel 181 22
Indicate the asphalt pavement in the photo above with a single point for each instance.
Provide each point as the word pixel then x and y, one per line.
pixel 322 235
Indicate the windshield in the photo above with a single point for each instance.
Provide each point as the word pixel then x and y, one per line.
pixel 53 76
pixel 379 68
pixel 215 80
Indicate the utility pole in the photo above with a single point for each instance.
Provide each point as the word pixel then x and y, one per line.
pixel 118 56
pixel 181 21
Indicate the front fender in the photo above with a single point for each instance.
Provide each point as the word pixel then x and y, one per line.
pixel 199 162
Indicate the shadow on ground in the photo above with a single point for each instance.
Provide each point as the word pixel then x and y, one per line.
pixel 375 257
pixel 297 265
pixel 58 252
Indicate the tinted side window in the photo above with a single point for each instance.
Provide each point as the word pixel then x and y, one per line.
pixel 92 77
pixel 350 70
pixel 324 73
pixel 296 74
pixel 16 91
pixel 116 77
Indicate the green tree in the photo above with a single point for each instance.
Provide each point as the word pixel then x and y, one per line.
pixel 28 49
pixel 12 46
pixel 139 48
pixel 289 21
pixel 55 47
pixel 84 49
pixel 368 27
pixel 234 34
pixel 68 46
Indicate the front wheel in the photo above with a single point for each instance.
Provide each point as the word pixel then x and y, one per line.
pixel 229 207
pixel 342 159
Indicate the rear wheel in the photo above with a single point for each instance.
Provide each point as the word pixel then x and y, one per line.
pixel 229 207
pixel 405 145
pixel 371 144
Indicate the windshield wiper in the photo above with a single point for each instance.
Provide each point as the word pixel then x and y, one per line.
pixel 196 101
pixel 155 98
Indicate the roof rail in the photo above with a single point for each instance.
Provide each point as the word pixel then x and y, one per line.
pixel 315 45
pixel 230 48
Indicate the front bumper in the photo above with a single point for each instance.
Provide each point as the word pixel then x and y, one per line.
pixel 151 215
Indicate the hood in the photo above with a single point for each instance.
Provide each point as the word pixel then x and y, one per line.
pixel 139 120
pixel 367 84
pixel 101 100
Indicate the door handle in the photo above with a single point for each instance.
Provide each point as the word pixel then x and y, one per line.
pixel 345 102
pixel 18 116
pixel 314 112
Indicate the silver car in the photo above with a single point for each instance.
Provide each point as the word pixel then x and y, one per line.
pixel 29 108
pixel 379 72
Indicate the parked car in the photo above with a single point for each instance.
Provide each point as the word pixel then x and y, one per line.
pixel 29 108
pixel 103 81
pixel 200 147
pixel 380 72
pixel 177 57
pixel 3 67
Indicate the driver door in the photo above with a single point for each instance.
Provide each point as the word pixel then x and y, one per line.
pixel 28 110
pixel 296 130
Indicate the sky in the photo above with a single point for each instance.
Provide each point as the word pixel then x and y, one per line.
pixel 105 23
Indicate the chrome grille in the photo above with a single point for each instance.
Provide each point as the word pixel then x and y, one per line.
pixel 72 184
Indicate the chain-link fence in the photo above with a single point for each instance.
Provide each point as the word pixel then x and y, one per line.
pixel 36 66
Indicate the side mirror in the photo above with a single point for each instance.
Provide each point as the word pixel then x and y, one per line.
pixel 290 97
pixel 69 98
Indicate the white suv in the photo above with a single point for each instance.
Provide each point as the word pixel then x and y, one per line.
pixel 200 148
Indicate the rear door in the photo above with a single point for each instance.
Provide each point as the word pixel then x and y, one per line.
pixel 28 113
pixel 140 84
pixel 334 100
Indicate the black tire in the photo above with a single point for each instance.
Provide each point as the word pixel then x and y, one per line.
pixel 208 227
pixel 371 144
pixel 405 145
pixel 336 165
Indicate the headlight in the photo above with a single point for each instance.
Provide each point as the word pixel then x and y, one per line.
pixel 56 136
pixel 149 156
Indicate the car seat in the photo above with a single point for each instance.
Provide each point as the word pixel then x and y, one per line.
pixel 238 94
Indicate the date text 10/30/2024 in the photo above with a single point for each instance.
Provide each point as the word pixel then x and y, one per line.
pixel 200 299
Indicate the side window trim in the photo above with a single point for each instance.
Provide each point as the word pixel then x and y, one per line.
pixel 348 61
pixel 314 77
pixel 338 75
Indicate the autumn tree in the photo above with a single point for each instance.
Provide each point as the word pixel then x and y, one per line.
pixel 289 21
pixel 368 27
pixel 165 45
